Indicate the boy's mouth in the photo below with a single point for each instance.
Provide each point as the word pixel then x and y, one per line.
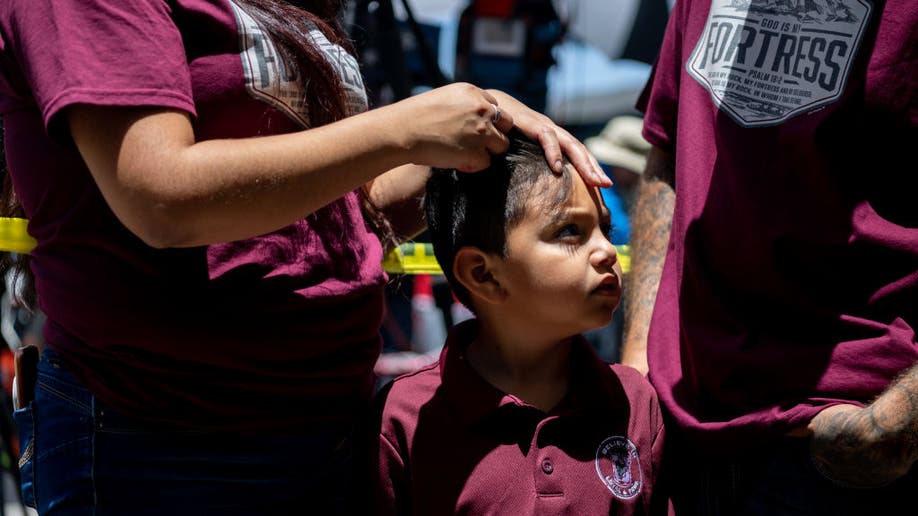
pixel 609 286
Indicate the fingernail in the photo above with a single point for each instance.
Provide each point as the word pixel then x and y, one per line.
pixel 559 167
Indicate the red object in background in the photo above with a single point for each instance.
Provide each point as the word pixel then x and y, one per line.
pixel 428 326
pixel 423 285
pixel 495 8
pixel 7 373
pixel 7 370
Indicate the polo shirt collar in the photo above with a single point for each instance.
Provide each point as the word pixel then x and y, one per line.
pixel 595 385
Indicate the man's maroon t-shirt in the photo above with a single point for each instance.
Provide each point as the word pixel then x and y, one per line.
pixel 791 281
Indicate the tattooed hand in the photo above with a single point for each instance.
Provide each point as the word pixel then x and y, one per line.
pixel 869 446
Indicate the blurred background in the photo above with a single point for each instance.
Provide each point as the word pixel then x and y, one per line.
pixel 581 62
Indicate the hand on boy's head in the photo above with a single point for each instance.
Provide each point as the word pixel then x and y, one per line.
pixel 558 143
pixel 458 126
pixel 555 141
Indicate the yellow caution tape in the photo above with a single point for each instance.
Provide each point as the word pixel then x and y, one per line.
pixel 14 237
pixel 418 258
pixel 624 257
pixel 412 258
pixel 408 258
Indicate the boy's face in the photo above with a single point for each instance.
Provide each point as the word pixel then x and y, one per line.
pixel 561 271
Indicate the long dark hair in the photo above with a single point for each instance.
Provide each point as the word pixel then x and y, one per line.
pixel 288 23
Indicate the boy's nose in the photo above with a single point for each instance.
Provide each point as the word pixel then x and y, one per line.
pixel 604 256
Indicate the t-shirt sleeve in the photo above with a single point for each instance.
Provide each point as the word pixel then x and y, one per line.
pixel 659 99
pixel 104 52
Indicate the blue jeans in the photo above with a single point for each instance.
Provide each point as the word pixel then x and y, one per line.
pixel 775 480
pixel 80 457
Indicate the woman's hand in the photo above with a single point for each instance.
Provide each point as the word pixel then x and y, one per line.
pixel 455 127
pixel 451 127
pixel 556 141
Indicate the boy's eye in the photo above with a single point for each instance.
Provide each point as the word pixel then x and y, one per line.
pixel 570 230
pixel 607 230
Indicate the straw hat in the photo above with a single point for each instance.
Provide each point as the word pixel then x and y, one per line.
pixel 620 144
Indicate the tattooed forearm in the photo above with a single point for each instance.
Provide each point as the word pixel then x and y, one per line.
pixel 895 412
pixel 651 220
pixel 873 445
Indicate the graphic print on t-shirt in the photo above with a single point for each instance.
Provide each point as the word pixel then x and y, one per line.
pixel 348 72
pixel 270 79
pixel 765 61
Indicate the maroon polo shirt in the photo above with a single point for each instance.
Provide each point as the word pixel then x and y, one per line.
pixel 450 442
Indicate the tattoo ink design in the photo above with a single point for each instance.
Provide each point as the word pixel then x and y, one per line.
pixel 870 446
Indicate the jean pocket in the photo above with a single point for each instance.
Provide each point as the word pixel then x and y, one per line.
pixel 25 431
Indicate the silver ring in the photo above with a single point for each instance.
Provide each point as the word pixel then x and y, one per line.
pixel 496 117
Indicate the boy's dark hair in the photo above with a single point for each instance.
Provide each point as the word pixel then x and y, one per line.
pixel 479 209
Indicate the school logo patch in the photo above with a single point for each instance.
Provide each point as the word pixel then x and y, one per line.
pixel 619 467
pixel 765 61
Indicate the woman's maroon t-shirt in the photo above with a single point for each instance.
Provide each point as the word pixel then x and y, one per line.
pixel 277 331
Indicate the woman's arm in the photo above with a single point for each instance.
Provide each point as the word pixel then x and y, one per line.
pixel 172 191
pixel 398 192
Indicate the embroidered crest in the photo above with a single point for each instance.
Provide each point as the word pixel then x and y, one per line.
pixel 619 467
pixel 765 61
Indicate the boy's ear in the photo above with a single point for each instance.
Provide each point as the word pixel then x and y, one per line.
pixel 474 269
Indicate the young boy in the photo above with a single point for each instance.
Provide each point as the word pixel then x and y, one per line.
pixel 519 416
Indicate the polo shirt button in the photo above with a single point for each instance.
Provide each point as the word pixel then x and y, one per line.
pixel 547 467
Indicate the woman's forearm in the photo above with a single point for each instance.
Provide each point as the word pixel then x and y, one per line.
pixel 172 191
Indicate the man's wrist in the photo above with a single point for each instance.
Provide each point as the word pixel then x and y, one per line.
pixel 895 416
